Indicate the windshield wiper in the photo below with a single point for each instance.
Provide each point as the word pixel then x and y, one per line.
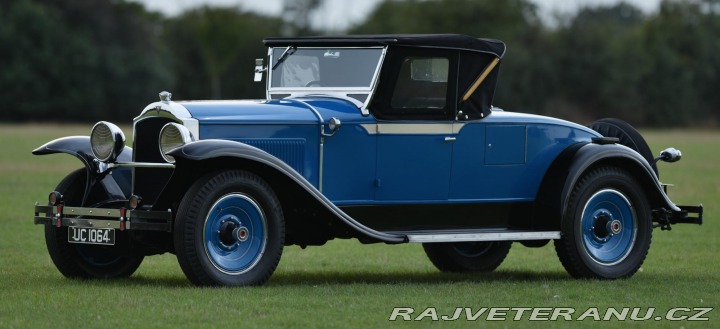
pixel 288 51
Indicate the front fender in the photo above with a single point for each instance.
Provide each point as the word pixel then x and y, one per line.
pixel 592 154
pixel 79 147
pixel 116 186
pixel 212 149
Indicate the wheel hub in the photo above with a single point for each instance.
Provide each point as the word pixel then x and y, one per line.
pixel 227 228
pixel 605 226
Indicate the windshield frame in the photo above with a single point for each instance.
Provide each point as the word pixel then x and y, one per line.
pixel 339 92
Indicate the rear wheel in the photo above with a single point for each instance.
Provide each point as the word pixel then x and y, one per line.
pixel 229 230
pixel 86 261
pixel 607 227
pixel 467 256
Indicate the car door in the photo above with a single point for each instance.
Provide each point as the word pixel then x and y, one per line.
pixel 415 108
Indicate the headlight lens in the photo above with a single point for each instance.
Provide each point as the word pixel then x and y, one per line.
pixel 107 141
pixel 172 136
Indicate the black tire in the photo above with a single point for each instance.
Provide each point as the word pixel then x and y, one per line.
pixel 87 261
pixel 467 256
pixel 607 227
pixel 628 136
pixel 209 241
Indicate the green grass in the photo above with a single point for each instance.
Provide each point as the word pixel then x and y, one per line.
pixel 345 283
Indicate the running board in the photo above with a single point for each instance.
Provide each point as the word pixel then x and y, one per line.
pixel 483 236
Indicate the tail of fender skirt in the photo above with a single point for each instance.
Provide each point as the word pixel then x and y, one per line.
pixel 665 218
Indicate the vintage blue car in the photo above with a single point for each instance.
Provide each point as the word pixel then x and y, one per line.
pixel 388 138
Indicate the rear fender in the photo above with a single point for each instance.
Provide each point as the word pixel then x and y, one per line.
pixel 554 193
pixel 117 186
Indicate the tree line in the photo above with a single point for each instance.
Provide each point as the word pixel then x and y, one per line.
pixel 86 60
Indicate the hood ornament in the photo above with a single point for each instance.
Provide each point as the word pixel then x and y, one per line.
pixel 165 96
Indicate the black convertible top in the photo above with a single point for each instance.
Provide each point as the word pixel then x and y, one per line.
pixel 448 41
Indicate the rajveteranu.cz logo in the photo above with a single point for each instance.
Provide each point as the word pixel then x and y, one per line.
pixel 549 314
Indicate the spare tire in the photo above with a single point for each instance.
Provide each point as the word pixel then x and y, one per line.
pixel 628 136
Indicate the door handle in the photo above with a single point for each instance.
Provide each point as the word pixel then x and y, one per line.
pixel 450 139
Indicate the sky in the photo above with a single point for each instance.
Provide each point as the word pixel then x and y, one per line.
pixel 340 14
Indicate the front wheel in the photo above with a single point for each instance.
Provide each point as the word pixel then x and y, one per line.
pixel 607 227
pixel 229 230
pixel 87 261
pixel 467 256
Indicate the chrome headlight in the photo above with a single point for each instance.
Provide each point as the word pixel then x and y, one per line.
pixel 172 136
pixel 107 141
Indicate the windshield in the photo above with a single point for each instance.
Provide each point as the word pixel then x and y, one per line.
pixel 325 67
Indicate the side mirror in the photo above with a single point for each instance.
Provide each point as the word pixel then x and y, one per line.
pixel 670 155
pixel 259 69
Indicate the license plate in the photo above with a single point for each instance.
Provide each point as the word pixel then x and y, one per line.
pixel 86 235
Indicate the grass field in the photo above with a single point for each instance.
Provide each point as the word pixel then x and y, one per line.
pixel 345 283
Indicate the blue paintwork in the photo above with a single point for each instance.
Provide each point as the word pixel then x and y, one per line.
pixel 235 256
pixel 501 158
pixel 257 112
pixel 286 129
pixel 475 179
pixel 601 210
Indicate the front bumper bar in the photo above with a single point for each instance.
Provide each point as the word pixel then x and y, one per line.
pixel 121 219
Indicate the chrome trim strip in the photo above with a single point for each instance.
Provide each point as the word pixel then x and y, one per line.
pixel 141 165
pixel 495 236
pixel 412 128
pixel 364 110
pixel 341 95
pixel 171 110
pixel 322 139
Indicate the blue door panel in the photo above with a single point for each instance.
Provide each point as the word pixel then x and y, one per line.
pixel 413 167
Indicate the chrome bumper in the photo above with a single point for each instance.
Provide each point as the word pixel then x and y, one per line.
pixel 121 219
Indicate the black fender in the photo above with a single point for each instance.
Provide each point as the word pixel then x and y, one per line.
pixel 575 160
pixel 203 150
pixel 117 186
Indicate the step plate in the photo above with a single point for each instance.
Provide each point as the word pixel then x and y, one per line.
pixel 483 236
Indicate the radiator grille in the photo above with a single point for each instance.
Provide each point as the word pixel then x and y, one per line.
pixel 149 182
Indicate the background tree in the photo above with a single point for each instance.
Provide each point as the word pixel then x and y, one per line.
pixel 69 59
pixel 214 51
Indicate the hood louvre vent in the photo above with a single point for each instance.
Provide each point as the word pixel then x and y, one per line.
pixel 290 151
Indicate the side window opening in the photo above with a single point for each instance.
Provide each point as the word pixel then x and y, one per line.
pixel 422 83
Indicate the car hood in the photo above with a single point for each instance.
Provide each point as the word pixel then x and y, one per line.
pixel 281 111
